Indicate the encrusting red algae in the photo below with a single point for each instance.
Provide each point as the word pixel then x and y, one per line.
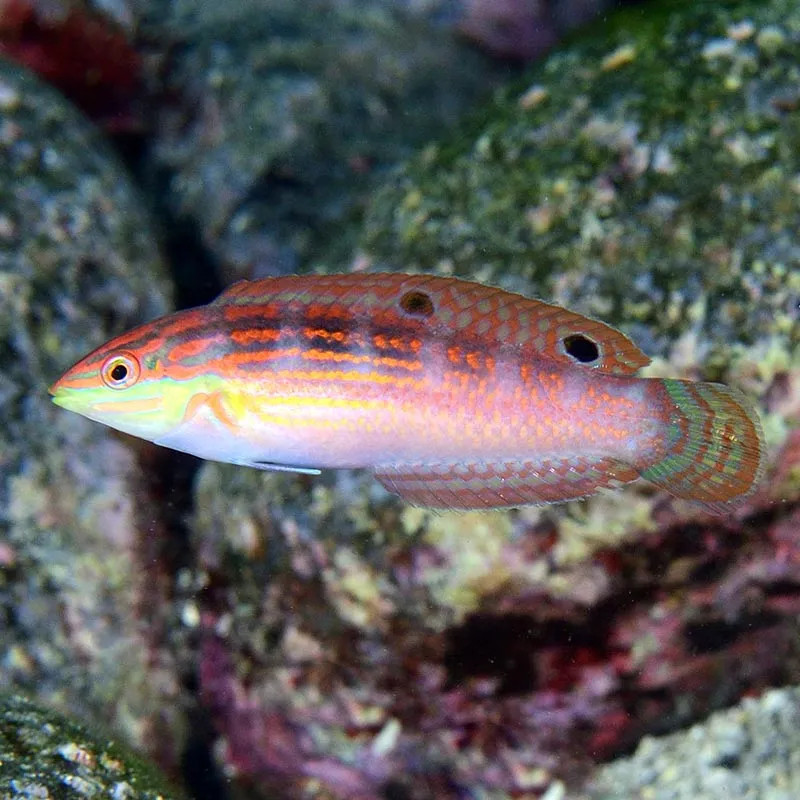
pixel 455 394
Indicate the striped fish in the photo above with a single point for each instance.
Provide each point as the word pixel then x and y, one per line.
pixel 454 394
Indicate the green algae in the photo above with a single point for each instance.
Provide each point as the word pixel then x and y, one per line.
pixel 45 755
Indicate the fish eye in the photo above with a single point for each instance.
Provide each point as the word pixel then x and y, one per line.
pixel 120 371
pixel 581 348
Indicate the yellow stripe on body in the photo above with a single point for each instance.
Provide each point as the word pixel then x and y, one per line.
pixel 304 411
pixel 377 378
pixel 133 405
pixel 379 361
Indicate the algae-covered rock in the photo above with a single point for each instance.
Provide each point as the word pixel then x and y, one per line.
pixel 351 645
pixel 77 264
pixel 646 175
pixel 749 751
pixel 46 755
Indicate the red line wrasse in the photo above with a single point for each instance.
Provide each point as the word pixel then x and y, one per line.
pixel 454 394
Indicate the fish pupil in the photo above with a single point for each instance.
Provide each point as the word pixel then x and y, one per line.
pixel 119 372
pixel 581 348
pixel 417 303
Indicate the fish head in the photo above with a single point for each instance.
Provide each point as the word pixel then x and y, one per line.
pixel 124 384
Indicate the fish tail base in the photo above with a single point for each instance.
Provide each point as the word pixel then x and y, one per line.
pixel 715 452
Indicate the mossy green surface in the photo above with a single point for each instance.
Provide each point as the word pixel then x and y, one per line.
pixel 46 756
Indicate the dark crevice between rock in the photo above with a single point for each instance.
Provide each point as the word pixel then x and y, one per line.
pixel 165 553
pixel 200 773
pixel 194 269
pixel 488 645
pixel 670 586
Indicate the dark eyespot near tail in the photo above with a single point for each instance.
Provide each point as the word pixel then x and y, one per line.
pixel 417 303
pixel 581 348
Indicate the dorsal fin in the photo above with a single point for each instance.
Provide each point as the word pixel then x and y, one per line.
pixel 231 291
pixel 475 312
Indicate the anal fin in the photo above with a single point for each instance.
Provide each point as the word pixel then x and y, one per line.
pixel 503 484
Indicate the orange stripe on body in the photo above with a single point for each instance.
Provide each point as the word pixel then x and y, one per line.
pixel 377 378
pixel 189 348
pixel 250 335
pixel 324 333
pixel 226 366
pixel 264 311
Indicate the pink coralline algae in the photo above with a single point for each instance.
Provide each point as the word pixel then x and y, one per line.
pixel 530 686
pixel 78 50
pixel 514 29
pixel 522 30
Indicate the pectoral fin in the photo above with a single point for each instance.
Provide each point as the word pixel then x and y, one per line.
pixel 272 467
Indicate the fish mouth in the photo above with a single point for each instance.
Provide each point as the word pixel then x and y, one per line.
pixel 99 407
pixel 71 398
pixel 61 396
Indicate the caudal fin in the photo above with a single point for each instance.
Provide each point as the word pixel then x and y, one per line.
pixel 716 454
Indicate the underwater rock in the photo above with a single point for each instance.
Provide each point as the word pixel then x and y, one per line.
pixel 747 751
pixel 43 754
pixel 596 193
pixel 353 646
pixel 279 117
pixel 78 264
